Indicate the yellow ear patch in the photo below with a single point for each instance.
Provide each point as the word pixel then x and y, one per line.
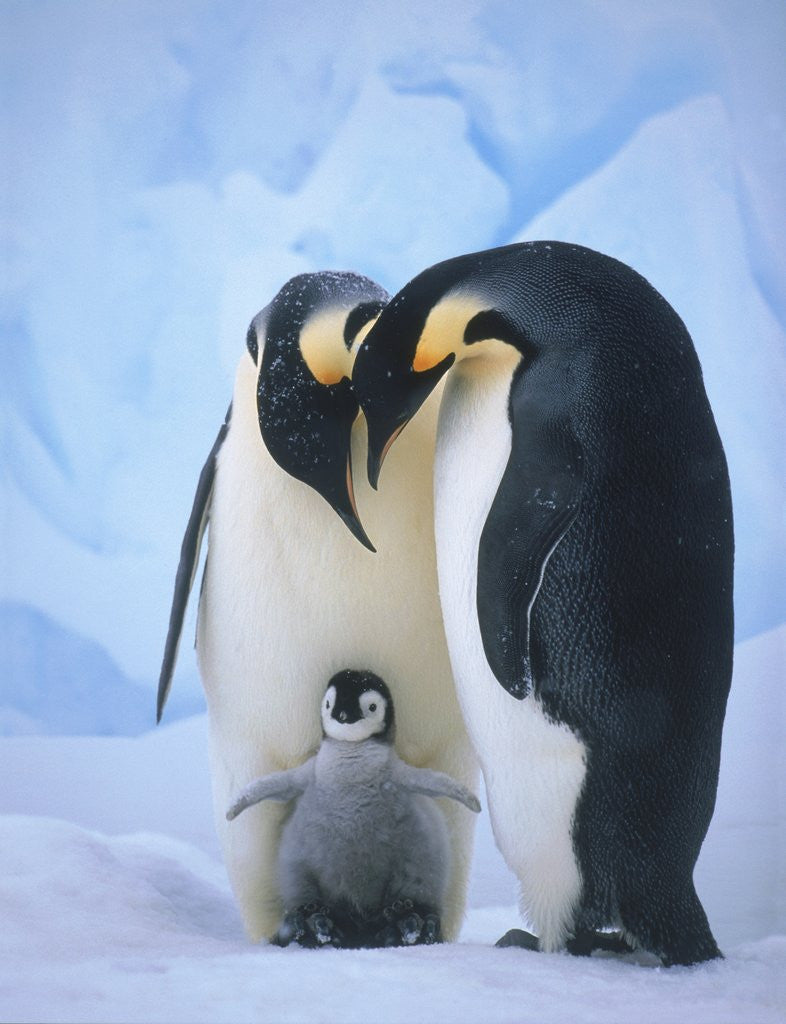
pixel 443 332
pixel 323 349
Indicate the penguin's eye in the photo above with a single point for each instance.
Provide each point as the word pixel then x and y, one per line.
pixel 327 705
pixel 372 707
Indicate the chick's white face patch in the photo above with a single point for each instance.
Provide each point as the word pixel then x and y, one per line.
pixel 372 707
pixel 372 704
pixel 329 701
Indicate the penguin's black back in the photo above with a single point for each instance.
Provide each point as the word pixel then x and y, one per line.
pixel 605 562
pixel 637 596
pixel 631 633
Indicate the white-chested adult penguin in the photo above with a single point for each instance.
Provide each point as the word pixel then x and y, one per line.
pixel 585 550
pixel 289 597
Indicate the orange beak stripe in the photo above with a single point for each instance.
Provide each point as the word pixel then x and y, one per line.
pixel 389 442
pixel 351 488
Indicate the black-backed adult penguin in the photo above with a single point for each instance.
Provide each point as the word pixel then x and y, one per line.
pixel 585 550
pixel 288 597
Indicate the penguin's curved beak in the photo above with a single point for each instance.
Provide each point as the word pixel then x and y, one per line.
pixel 347 509
pixel 389 400
pixel 380 441
pixel 307 428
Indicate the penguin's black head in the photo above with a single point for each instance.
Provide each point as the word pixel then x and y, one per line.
pixel 389 381
pixel 357 706
pixel 302 343
pixel 439 317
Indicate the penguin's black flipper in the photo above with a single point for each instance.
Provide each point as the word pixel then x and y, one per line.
pixel 186 570
pixel 535 504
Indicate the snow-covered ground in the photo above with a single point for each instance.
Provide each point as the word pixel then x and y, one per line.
pixel 115 906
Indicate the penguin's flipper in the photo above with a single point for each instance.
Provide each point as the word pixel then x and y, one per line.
pixel 431 783
pixel 535 504
pixel 186 570
pixel 278 786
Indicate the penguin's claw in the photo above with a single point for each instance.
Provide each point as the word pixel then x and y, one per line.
pixel 408 925
pixel 321 927
pixel 583 943
pixel 396 908
pixel 291 929
pixel 431 932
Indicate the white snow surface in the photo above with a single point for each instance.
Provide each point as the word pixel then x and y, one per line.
pixel 115 907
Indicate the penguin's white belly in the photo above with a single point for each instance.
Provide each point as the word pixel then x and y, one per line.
pixel 533 768
pixel 290 598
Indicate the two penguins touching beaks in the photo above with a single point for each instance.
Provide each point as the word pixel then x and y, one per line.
pixel 541 590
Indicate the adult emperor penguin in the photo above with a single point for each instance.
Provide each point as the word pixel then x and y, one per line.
pixel 585 550
pixel 288 597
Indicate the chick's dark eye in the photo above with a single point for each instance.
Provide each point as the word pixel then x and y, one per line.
pixel 372 707
pixel 327 704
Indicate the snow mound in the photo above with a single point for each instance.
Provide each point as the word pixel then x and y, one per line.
pixel 159 782
pixel 76 894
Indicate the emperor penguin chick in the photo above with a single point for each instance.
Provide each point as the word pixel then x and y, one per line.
pixel 364 858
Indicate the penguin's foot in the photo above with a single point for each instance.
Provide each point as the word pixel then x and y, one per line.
pixel 431 932
pixel 322 928
pixel 585 943
pixel 410 928
pixel 291 929
pixel 520 939
pixel 408 925
pixel 310 926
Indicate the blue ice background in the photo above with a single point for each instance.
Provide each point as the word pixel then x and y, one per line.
pixel 167 166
